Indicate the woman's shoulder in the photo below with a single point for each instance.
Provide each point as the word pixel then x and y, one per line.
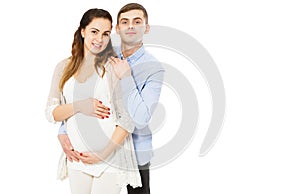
pixel 61 65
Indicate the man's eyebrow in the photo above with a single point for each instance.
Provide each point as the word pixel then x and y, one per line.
pixel 133 18
pixel 138 18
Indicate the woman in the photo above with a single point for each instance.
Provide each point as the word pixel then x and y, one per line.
pixel 107 158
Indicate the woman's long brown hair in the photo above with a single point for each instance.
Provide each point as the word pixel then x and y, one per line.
pixel 78 47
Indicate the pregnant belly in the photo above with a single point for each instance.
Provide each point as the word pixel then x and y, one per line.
pixel 89 133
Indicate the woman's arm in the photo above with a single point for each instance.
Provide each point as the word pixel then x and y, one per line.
pixel 63 112
pixel 89 107
pixel 115 142
pixel 54 97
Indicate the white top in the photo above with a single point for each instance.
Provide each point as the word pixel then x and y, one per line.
pixel 88 133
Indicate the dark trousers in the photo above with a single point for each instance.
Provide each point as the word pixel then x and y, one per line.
pixel 145 189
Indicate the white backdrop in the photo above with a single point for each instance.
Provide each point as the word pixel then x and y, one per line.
pixel 255 45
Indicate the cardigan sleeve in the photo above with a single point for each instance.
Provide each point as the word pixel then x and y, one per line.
pixel 120 114
pixel 55 96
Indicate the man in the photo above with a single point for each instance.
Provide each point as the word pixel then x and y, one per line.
pixel 141 77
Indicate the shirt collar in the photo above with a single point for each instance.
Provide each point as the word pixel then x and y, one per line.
pixel 135 56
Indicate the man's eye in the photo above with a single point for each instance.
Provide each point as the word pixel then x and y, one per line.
pixel 124 22
pixel 138 21
pixel 105 34
pixel 94 32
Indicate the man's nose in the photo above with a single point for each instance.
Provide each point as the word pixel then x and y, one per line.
pixel 130 25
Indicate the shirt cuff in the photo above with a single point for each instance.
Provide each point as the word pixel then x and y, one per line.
pixel 62 129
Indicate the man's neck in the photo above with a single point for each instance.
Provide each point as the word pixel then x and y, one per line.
pixel 128 50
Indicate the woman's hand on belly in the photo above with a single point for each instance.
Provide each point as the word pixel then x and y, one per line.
pixel 91 107
pixel 89 157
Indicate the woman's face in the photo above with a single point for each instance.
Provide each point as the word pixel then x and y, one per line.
pixel 96 35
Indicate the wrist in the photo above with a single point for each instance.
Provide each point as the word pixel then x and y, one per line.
pixel 76 107
pixel 125 75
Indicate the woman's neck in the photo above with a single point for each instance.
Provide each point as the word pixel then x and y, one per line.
pixel 88 60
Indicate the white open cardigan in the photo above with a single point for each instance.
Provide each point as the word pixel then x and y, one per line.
pixel 125 154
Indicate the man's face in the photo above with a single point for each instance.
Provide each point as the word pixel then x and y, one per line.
pixel 132 27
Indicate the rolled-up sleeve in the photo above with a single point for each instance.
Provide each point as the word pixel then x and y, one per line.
pixel 54 97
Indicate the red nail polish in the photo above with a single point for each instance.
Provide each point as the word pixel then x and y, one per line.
pixel 108 113
pixel 106 116
pixel 102 117
pixel 100 102
pixel 108 108
pixel 81 154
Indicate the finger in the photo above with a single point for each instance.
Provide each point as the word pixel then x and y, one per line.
pixel 102 112
pixel 100 105
pixel 112 60
pixel 85 160
pixel 98 116
pixel 116 60
pixel 70 159
pixel 102 109
pixel 102 115
pixel 74 157
pixel 70 154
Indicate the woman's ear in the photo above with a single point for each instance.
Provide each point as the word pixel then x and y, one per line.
pixel 82 33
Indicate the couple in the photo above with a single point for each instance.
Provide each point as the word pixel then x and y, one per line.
pixel 104 97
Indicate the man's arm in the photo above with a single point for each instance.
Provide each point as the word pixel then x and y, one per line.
pixel 141 103
pixel 139 99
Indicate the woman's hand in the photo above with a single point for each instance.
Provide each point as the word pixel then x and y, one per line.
pixel 120 67
pixel 91 107
pixel 89 157
pixel 67 147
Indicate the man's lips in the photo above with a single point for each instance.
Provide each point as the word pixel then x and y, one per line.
pixel 130 33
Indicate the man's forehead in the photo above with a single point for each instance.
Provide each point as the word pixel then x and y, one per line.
pixel 132 14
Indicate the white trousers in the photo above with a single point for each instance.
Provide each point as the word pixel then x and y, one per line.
pixel 82 183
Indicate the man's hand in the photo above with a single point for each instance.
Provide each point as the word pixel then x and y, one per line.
pixel 121 67
pixel 66 145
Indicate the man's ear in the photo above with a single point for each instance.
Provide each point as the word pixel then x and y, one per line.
pixel 117 29
pixel 147 29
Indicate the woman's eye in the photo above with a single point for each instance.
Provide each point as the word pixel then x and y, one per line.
pixel 105 34
pixel 124 22
pixel 94 32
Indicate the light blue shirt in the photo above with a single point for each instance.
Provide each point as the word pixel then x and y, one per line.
pixel 141 93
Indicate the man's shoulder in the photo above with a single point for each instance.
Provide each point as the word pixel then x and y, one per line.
pixel 117 49
pixel 151 60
